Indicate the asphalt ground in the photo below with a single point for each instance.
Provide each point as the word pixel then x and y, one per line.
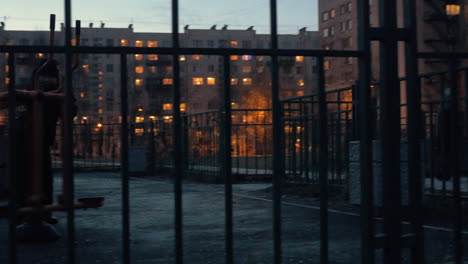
pixel 99 231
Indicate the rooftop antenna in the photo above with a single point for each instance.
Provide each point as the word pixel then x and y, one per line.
pixel 102 24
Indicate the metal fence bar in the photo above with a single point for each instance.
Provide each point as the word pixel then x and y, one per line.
pixel 177 141
pixel 124 160
pixel 68 137
pixel 455 162
pixel 390 131
pixel 323 161
pixel 364 130
pixel 226 162
pixel 182 51
pixel 278 168
pixel 12 161
pixel 414 134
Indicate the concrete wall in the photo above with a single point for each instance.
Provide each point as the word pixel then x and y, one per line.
pixel 355 173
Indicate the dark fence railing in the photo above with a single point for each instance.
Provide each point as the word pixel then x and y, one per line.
pixel 301 119
pixel 97 146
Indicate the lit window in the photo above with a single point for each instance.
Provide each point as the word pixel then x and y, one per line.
pixel 260 69
pixel 138 57
pixel 196 57
pixel 139 131
pixel 153 117
pixel 82 95
pixel 246 68
pixel 7 81
pixel 138 43
pixel 100 98
pixel 123 42
pixel 260 58
pixel 234 81
pixel 300 93
pixel 85 67
pixel 7 68
pixel 138 82
pixel 152 57
pixel 197 81
pixel 234 57
pixel 247 57
pixel 167 81
pixel 167 119
pixel 182 58
pixel 211 80
pixel 40 55
pixel 140 109
pixel 300 82
pixel 152 43
pixel 167 107
pixel 100 85
pixel 233 44
pixel 139 69
pixel 247 81
pixel 326 65
pixel 100 111
pixel 299 58
pixel 183 107
pixel 139 119
pixel 332 13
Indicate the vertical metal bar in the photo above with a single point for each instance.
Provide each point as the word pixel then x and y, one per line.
pixel 68 137
pixel 465 79
pixel 178 151
pixel 226 163
pixel 365 134
pixel 12 256
pixel 278 168
pixel 323 161
pixel 455 161
pixel 390 131
pixel 414 132
pixel 124 160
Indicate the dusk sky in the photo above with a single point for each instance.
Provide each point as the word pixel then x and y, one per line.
pixel 154 15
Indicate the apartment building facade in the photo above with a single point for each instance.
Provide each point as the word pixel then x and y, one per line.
pixel 97 80
pixel 436 32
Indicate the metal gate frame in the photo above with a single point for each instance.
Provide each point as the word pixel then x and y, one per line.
pixel 388 35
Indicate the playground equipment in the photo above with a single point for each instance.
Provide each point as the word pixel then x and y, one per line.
pixel 35 207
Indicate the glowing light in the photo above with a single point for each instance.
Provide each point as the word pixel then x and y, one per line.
pixel 211 80
pixel 123 42
pixel 452 9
